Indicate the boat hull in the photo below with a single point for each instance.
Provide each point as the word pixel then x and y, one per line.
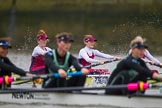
pixel 80 99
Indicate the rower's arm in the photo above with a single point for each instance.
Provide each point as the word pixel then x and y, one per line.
pixel 150 57
pixel 103 55
pixel 138 68
pixel 39 51
pixel 10 67
pixel 49 62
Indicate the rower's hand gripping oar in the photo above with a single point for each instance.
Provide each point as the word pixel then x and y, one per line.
pixel 105 62
pixel 150 62
pixel 9 80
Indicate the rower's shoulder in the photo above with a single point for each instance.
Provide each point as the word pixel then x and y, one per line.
pixel 130 59
pixel 71 56
pixel 48 49
pixel 49 53
pixel 82 49
pixel 126 59
pixel 37 48
pixel 5 59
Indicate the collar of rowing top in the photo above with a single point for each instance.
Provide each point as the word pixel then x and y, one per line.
pixel 134 60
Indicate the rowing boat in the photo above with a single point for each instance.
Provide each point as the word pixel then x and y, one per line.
pixel 82 99
pixel 83 96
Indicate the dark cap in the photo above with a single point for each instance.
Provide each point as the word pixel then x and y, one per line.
pixel 4 43
pixel 139 45
pixel 65 38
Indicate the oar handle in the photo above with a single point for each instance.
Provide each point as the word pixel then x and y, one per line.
pixel 69 74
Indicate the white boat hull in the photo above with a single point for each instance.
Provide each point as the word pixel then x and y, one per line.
pixel 74 99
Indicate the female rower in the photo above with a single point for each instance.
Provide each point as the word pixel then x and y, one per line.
pixel 146 55
pixel 87 54
pixel 37 64
pixel 59 61
pixel 6 66
pixel 132 69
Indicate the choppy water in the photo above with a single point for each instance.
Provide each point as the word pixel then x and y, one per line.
pixel 23 60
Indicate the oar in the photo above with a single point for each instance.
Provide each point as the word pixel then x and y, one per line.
pixel 129 87
pixel 94 65
pixel 55 75
pixel 9 80
pixel 157 65
pixel 148 61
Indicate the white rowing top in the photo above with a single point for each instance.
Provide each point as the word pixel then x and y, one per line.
pixel 84 52
pixel 147 55
pixel 39 51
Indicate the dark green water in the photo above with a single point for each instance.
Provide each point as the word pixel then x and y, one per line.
pixel 113 22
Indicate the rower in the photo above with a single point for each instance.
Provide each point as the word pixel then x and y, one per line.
pixel 88 53
pixel 6 66
pixel 59 61
pixel 146 54
pixel 131 69
pixel 37 61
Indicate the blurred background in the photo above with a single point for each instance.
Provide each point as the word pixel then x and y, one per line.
pixel 113 22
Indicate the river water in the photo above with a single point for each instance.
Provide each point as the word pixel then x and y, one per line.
pixel 23 60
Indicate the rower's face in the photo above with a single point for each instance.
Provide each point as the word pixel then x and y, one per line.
pixel 42 43
pixel 64 46
pixel 90 44
pixel 3 51
pixel 138 52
